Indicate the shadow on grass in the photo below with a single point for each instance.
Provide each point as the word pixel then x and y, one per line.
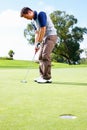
pixel 71 83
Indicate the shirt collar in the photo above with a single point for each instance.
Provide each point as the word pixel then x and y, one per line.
pixel 35 15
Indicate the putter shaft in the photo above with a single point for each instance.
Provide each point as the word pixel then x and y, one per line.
pixel 25 77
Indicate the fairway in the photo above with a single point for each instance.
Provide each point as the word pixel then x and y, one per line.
pixel 32 106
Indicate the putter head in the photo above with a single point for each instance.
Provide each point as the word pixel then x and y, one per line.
pixel 23 81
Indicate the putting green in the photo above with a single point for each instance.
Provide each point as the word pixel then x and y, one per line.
pixel 33 106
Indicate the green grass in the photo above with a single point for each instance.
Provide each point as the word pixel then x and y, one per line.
pixel 32 106
pixel 17 64
pixel 32 64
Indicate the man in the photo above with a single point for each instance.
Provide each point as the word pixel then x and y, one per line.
pixel 45 39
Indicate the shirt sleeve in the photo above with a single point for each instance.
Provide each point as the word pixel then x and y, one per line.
pixel 42 18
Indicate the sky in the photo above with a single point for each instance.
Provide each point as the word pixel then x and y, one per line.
pixel 12 25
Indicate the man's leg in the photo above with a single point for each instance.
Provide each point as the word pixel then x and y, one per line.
pixel 44 57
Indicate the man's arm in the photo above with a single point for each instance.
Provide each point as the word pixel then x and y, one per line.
pixel 39 35
pixel 42 32
pixel 42 18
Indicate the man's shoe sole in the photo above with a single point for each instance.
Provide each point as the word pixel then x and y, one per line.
pixel 44 82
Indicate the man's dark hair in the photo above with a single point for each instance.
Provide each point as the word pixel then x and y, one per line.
pixel 25 11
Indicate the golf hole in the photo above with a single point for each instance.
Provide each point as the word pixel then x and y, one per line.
pixel 68 116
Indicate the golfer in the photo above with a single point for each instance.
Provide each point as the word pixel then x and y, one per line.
pixel 45 40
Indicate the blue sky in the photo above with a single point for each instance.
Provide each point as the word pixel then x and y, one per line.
pixel 12 26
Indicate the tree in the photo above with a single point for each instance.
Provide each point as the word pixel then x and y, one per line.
pixel 11 53
pixel 70 36
pixel 85 50
pixel 29 34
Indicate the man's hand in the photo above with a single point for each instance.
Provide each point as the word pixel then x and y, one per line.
pixel 37 47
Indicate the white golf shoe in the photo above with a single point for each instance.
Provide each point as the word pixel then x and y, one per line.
pixel 41 80
pixel 37 79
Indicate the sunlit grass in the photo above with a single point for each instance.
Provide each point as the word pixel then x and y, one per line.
pixel 34 64
pixel 32 106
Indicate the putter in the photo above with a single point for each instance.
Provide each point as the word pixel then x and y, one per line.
pixel 24 80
